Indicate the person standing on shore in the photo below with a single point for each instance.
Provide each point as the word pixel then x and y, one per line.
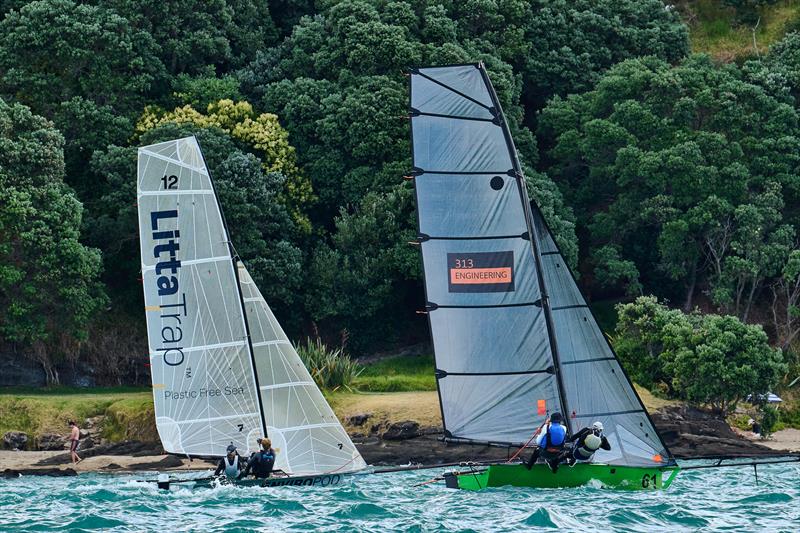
pixel 74 439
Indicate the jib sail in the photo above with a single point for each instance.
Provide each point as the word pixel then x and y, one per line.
pixel 513 338
pixel 299 420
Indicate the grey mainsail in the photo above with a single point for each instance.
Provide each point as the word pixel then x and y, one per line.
pixel 494 364
pixel 513 338
pixel 223 370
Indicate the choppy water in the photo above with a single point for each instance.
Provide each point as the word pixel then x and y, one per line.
pixel 721 499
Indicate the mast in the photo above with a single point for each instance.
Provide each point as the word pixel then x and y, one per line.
pixel 534 238
pixel 235 261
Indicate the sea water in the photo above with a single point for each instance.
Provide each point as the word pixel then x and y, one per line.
pixel 700 500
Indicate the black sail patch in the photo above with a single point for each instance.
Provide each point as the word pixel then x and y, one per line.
pixel 480 272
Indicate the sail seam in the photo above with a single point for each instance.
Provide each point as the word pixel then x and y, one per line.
pixel 193 262
pixel 453 90
pixel 175 192
pixel 270 343
pixel 288 384
pixel 228 417
pixel 612 413
pixel 443 373
pixel 467 172
pixel 562 307
pixel 205 347
pixel 525 304
pixel 173 161
pixel 310 426
pixel 490 237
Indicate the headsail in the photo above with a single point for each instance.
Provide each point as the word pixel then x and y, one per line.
pixel 513 337
pixel 300 422
pixel 595 384
pixel 495 368
pixel 203 381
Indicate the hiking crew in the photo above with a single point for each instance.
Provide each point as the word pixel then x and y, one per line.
pixel 262 461
pixel 231 465
pixel 586 442
pixel 550 443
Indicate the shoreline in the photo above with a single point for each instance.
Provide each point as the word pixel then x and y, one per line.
pixel 424 449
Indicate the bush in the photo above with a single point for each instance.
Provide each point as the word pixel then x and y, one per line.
pixel 769 420
pixel 331 368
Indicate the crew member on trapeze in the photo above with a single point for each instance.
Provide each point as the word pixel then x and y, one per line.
pixel 585 443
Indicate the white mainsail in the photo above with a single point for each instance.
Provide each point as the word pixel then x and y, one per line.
pixel 208 356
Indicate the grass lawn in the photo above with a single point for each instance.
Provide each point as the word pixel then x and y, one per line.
pixel 398 374
pixel 715 30
pixel 129 410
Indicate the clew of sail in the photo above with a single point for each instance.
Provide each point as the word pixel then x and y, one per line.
pixel 203 382
pixel 494 365
pixel 595 385
pixel 303 428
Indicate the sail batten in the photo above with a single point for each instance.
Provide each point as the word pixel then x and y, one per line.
pixel 513 338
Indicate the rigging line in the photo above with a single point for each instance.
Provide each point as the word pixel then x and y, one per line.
pixel 451 89
pixel 417 113
pixel 535 433
pixel 752 463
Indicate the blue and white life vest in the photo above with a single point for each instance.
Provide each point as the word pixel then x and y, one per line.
pixel 232 469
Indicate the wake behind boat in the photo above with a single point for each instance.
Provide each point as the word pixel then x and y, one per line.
pixel 514 340
pixel 224 373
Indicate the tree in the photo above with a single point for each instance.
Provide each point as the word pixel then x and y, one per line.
pixel 260 132
pixel 672 165
pixel 572 42
pixel 48 280
pixel 704 359
pixel 91 52
pixel 640 339
pixel 195 33
pixel 723 361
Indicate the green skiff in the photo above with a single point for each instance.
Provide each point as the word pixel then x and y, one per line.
pixel 540 477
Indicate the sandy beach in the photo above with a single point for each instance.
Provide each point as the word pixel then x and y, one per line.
pixel 785 439
pixel 24 460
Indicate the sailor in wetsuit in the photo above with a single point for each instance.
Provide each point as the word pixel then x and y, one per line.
pixel 586 442
pixel 262 461
pixel 232 464
pixel 550 443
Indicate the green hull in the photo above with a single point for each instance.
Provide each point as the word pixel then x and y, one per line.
pixel 617 477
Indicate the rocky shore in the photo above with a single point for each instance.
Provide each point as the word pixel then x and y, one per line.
pixel 689 433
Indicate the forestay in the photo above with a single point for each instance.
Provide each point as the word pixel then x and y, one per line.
pixel 203 381
pixel 300 422
pixel 495 369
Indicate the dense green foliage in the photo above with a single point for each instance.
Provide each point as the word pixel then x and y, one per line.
pixel 658 173
pixel 702 358
pixel 48 289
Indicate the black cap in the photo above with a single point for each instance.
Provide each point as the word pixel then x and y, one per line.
pixel 556 417
pixel 231 448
